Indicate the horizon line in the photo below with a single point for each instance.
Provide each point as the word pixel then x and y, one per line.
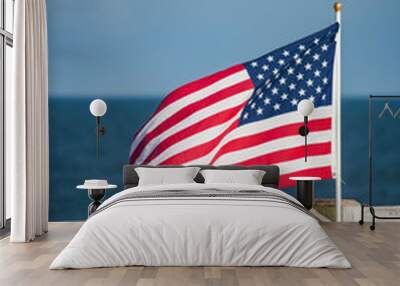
pixel 160 96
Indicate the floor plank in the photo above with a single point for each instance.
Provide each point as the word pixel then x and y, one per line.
pixel 375 257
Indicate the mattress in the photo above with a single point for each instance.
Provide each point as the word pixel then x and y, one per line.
pixel 201 225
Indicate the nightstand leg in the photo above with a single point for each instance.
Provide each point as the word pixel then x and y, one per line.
pixel 305 193
pixel 95 195
pixel 93 207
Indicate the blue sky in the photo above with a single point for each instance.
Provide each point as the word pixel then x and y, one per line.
pixel 125 47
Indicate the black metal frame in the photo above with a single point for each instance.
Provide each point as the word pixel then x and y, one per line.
pixel 370 204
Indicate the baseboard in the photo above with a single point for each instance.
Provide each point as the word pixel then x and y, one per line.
pixel 351 210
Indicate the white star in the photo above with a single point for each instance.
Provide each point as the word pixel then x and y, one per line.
pixel 302 92
pixel 286 53
pixel 317 73
pixel 253 105
pixel 270 59
pixel 259 111
pixel 323 96
pixel 298 61
pixel 310 82
pixel 325 80
pixel 292 86
pixel 254 64
pixel 294 101
pixel 260 95
pixel 275 71
pixel 324 47
pixel 316 57
pixel 258 91
pixel 296 56
pixel 268 84
pixel 316 41
pixel 281 62
pixel 282 80
pixel 284 96
pixel 260 76
pixel 267 101
pixel 300 76
pixel 308 66
pixel 275 90
pixel 265 67
pixel 290 70
pixel 324 64
pixel 312 98
pixel 308 52
pixel 277 106
pixel 302 47
pixel 245 116
pixel 318 89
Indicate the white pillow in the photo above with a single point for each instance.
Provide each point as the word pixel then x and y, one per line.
pixel 165 176
pixel 248 177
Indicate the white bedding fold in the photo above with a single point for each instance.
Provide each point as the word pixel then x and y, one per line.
pixel 200 231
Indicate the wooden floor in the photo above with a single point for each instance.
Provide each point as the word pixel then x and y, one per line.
pixel 375 257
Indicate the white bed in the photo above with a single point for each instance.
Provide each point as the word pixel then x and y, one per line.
pixel 209 230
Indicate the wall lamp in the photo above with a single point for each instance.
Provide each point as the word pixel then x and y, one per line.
pixel 98 108
pixel 305 108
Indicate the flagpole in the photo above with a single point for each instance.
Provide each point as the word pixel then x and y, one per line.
pixel 337 114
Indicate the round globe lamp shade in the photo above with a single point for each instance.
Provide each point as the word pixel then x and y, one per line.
pixel 98 107
pixel 305 107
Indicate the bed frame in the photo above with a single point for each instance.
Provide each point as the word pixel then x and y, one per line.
pixel 270 179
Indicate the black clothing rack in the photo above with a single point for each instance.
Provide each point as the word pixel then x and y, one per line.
pixel 370 157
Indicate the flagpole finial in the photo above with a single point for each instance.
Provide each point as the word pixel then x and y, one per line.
pixel 337 6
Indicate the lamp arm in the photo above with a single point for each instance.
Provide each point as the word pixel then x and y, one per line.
pixel 305 137
pixel 100 131
pixel 97 136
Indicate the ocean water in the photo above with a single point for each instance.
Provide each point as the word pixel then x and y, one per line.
pixel 73 150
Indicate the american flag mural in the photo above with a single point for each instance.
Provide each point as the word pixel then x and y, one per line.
pixel 247 114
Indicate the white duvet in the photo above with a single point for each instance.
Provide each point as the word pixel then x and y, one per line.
pixel 200 231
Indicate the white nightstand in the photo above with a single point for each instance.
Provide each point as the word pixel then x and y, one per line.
pixel 96 190
pixel 305 190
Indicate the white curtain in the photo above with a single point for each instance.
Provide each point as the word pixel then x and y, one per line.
pixel 27 124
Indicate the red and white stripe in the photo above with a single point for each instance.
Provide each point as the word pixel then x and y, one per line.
pixel 195 105
pixel 198 124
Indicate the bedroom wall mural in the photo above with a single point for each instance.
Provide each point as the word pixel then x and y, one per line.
pixel 132 53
